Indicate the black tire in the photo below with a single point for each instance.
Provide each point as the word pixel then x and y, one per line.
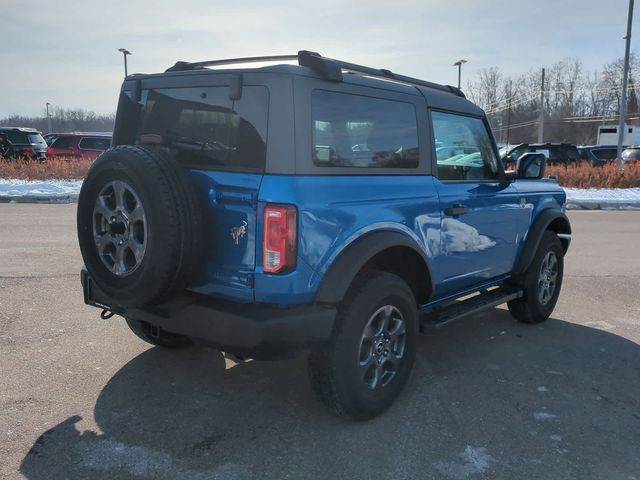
pixel 531 308
pixel 173 237
pixel 156 336
pixel 334 369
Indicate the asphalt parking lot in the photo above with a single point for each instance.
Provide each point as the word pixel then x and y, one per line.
pixel 84 398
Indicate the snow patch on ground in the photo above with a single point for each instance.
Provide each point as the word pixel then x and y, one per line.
pixel 111 456
pixel 544 416
pixel 474 461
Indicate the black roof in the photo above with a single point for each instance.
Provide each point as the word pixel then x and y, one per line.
pixel 327 68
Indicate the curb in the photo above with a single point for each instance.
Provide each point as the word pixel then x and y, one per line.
pixel 603 205
pixel 71 198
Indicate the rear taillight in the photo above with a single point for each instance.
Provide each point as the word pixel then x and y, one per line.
pixel 28 152
pixel 280 238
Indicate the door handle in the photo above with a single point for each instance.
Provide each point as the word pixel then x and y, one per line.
pixel 456 210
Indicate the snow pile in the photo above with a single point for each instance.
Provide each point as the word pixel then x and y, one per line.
pixel 45 190
pixel 603 198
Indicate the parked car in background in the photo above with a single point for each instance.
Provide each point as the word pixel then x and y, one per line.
pixel 556 153
pixel 631 155
pixel 598 155
pixel 78 144
pixel 27 142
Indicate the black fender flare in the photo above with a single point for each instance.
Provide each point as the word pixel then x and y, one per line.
pixel 549 219
pixel 350 261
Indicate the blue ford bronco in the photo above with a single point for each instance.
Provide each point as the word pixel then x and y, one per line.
pixel 324 207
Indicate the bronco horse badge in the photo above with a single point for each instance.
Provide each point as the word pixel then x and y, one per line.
pixel 238 232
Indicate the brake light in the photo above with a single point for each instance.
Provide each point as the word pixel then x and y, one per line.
pixel 280 238
pixel 28 152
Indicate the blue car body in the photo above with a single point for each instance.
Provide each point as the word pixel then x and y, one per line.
pixel 466 253
pixel 433 204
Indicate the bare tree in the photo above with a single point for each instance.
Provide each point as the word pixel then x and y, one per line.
pixel 576 102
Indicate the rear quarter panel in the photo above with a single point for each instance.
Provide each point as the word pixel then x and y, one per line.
pixel 333 212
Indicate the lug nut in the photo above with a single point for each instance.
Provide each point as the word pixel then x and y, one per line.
pixel 386 341
pixel 112 219
pixel 121 242
pixel 386 352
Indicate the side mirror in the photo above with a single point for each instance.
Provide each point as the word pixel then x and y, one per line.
pixel 531 166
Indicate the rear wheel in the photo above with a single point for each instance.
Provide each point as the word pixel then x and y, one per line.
pixel 369 359
pixel 156 336
pixel 541 282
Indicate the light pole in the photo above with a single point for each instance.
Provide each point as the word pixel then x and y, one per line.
pixel 625 80
pixel 125 52
pixel 48 118
pixel 459 65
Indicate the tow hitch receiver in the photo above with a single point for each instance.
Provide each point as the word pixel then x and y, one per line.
pixel 94 296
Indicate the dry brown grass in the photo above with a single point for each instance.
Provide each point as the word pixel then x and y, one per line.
pixel 582 176
pixel 57 168
pixel 586 176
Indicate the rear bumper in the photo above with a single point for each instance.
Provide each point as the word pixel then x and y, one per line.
pixel 252 330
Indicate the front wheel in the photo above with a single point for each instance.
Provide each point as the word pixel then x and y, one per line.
pixel 541 282
pixel 373 348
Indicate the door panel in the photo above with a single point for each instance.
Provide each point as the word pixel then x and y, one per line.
pixel 482 216
pixel 480 244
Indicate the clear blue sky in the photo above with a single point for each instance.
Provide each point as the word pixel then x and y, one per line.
pixel 65 52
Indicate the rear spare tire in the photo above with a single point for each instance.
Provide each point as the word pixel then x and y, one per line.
pixel 139 226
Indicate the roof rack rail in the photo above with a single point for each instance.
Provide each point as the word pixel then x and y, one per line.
pixel 328 68
pixel 331 69
pixel 181 66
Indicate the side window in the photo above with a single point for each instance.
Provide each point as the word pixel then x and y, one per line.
pixel 518 152
pixel 358 131
pixel 17 137
pixel 465 151
pixel 62 142
pixel 204 128
pixel 605 153
pixel 93 143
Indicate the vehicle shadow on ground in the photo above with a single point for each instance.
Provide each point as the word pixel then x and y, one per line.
pixel 489 397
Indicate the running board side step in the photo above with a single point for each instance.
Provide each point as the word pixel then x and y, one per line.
pixel 440 316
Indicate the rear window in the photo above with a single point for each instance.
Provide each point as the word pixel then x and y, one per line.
pixel 62 142
pixel 88 143
pixel 36 138
pixel 631 154
pixel 205 129
pixel 359 131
